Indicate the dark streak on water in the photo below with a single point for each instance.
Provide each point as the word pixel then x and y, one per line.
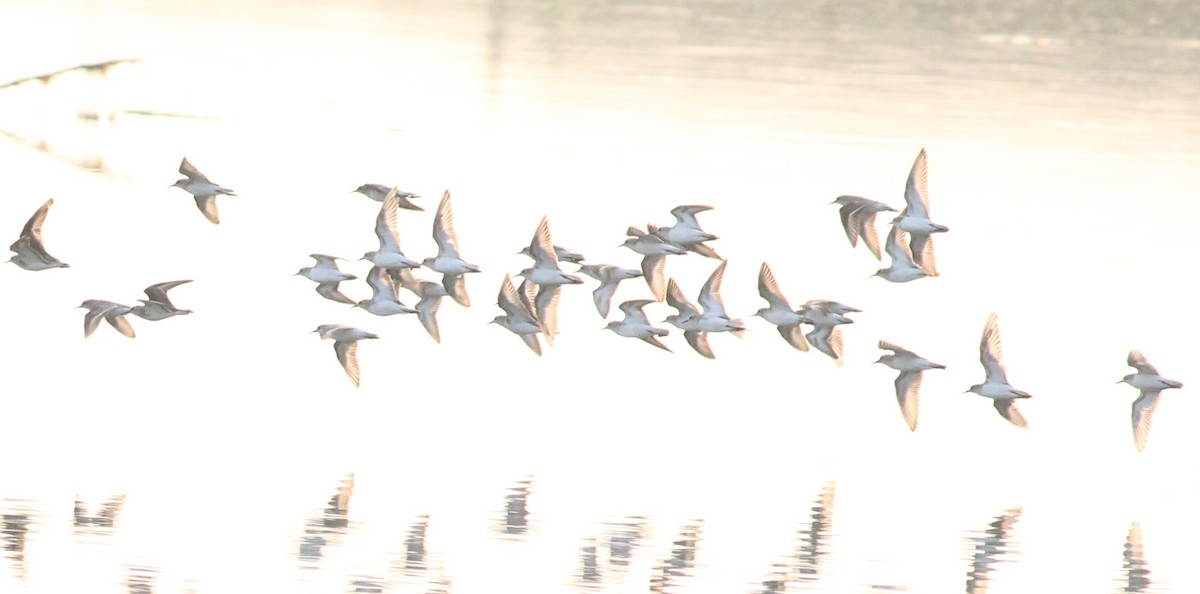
pixel 991 548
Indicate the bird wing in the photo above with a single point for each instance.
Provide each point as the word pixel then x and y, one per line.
pixel 828 340
pixel 443 229
pixel 347 354
pixel 531 340
pixel 908 384
pixel 325 261
pixel 633 311
pixel 381 283
pixel 990 353
pixel 158 292
pixel 456 287
pixel 189 171
pixel 863 222
pixel 1143 408
pixel 887 346
pixel 768 288
pixel 794 336
pixel 656 342
pixel 31 234
pixel 896 249
pixel 387 225
pixel 686 214
pixel 699 342
pixel 652 269
pixel 916 190
pixel 710 294
pixel 427 309
pixel 676 299
pixel 330 291
pixel 1007 408
pixel 547 310
pixel 1138 361
pixel 208 207
pixel 511 301
pixel 603 295
pixel 846 213
pixel 541 249
pixel 921 247
pixel 121 324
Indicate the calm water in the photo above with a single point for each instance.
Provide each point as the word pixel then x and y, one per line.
pixel 225 452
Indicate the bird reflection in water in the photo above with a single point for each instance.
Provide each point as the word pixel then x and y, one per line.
pixel 104 517
pixel 140 579
pixel 515 520
pixel 13 533
pixel 1137 575
pixel 326 529
pixel 681 561
pixel 811 541
pixel 990 549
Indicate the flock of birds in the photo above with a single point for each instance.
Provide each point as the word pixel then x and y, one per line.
pixel 530 309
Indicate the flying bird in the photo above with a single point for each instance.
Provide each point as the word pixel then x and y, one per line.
pixel 995 384
pixel 908 383
pixel 378 192
pixel 1151 384
pixel 448 262
pixel 654 251
pixel 610 277
pixel 205 192
pixel 914 219
pixel 31 253
pixel 636 325
pixel 113 313
pixel 778 311
pixel 903 268
pixel 858 219
pixel 327 276
pixel 520 317
pixel 345 344
pixel 158 306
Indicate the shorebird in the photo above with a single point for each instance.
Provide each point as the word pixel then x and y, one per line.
pixel 345 344
pixel 205 192
pixel 430 300
pixel 1151 384
pixel 563 254
pixel 388 255
pixel 654 251
pixel 327 276
pixel 903 268
pixel 448 261
pixel 778 311
pixel 688 320
pixel 908 383
pixel 686 229
pixel 995 384
pixel 519 317
pixel 825 336
pixel 548 277
pixel 158 306
pixel 635 324
pixel 383 301
pixel 31 253
pixel 113 313
pixel 378 192
pixel 609 276
pixel 712 317
pixel 858 219
pixel 914 219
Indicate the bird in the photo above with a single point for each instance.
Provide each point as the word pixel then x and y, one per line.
pixel 610 277
pixel 113 313
pixel 388 255
pixel 158 306
pixel 654 251
pixel 686 229
pixel 908 383
pixel 563 254
pixel 327 276
pixel 345 344
pixel 688 320
pixel 778 311
pixel 378 192
pixel 383 301
pixel 549 278
pixel 430 300
pixel 830 306
pixel 712 317
pixel 519 317
pixel 903 268
pixel 825 336
pixel 995 384
pixel 448 262
pixel 31 253
pixel 635 324
pixel 1150 384
pixel 914 219
pixel 858 219
pixel 205 192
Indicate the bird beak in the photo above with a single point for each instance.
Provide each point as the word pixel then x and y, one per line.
pixel 966 391
pixel 1120 381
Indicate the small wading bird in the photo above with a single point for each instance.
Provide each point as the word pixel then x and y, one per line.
pixel 158 306
pixel 205 192
pixel 995 384
pixel 31 254
pixel 378 192
pixel 113 313
pixel 345 344
pixel 1151 385
pixel 327 276
pixel 908 383
pixel 448 262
